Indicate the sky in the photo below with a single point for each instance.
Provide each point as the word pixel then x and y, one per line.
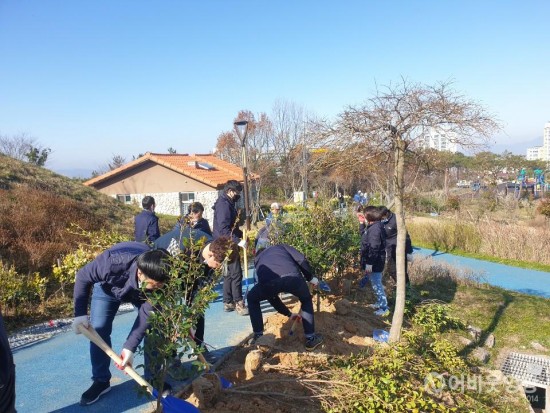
pixel 94 79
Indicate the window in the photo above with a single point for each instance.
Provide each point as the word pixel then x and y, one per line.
pixel 124 198
pixel 186 199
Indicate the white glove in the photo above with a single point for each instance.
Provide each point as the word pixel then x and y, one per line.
pixel 242 243
pixel 314 281
pixel 127 357
pixel 368 268
pixel 410 258
pixel 81 319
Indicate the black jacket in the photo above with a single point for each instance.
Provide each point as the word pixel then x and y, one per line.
pixel 146 226
pixel 281 261
pixel 373 247
pixel 391 236
pixel 116 270
pixel 201 225
pixel 225 219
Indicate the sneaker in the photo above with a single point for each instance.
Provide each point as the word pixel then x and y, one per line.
pixel 254 338
pixel 96 390
pixel 228 307
pixel 166 389
pixel 382 312
pixel 241 308
pixel 313 342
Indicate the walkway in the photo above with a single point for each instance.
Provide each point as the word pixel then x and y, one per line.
pixel 52 374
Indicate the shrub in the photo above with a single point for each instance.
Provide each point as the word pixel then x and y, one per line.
pixel 18 291
pixel 543 207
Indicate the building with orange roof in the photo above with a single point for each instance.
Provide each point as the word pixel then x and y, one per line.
pixel 174 180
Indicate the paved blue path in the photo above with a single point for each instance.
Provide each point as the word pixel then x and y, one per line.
pixel 523 280
pixel 52 374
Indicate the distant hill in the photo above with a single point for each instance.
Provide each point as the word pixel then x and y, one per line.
pixel 38 207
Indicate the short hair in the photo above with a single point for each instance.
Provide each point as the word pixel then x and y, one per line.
pixel 147 202
pixel 223 245
pixel 372 213
pixel 155 264
pixel 275 205
pixel 384 211
pixel 195 207
pixel 234 185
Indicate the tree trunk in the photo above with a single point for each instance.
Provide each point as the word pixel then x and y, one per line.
pixel 399 178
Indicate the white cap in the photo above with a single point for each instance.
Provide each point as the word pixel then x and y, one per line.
pixel 275 205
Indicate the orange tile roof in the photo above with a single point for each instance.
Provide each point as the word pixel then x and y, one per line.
pixel 223 171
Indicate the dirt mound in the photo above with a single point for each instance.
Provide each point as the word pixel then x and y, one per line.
pixel 276 380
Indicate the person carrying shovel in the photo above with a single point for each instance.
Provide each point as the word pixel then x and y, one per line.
pixel 282 269
pixel 115 276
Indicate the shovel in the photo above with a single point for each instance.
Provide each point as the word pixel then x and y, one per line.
pixel 170 404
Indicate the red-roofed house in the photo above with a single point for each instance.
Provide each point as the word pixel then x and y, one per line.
pixel 174 180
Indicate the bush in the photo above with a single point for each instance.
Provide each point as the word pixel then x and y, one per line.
pixel 543 207
pixel 18 291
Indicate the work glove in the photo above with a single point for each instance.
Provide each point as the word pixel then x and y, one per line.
pixel 368 268
pixel 243 244
pixel 410 258
pixel 314 281
pixel 81 319
pixel 127 357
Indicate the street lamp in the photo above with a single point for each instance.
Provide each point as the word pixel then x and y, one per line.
pixel 241 127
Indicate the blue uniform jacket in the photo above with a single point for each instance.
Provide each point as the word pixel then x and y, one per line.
pixel 146 226
pixel 373 247
pixel 116 270
pixel 281 261
pixel 225 217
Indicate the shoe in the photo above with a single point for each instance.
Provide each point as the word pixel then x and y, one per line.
pixel 313 342
pixel 166 389
pixel 254 338
pixel 241 308
pixel 96 390
pixel 382 312
pixel 228 307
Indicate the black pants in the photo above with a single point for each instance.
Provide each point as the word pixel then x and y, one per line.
pixel 7 391
pixel 391 266
pixel 233 282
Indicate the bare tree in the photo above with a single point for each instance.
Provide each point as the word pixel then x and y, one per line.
pixel 394 122
pixel 24 148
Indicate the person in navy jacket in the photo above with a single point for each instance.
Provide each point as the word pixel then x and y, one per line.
pixel 373 257
pixel 226 224
pixel 116 276
pixel 282 269
pixel 146 228
pixel 194 219
pixel 212 255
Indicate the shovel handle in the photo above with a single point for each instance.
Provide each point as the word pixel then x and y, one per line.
pixel 95 338
pixel 294 325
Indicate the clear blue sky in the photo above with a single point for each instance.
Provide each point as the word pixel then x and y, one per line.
pixel 90 79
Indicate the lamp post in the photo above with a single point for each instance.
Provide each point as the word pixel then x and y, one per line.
pixel 241 127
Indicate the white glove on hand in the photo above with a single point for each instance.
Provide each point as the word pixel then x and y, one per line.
pixel 81 319
pixel 410 257
pixel 368 268
pixel 243 244
pixel 314 281
pixel 127 357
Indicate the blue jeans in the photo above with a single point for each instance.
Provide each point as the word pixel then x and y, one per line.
pixel 293 284
pixel 375 279
pixel 103 309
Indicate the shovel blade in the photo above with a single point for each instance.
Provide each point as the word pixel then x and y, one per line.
pixel 171 404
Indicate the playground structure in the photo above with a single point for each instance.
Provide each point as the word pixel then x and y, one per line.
pixel 536 185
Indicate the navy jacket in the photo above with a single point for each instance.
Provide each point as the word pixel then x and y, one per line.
pixel 281 261
pixel 201 225
pixel 175 242
pixel 225 217
pixel 116 270
pixel 373 247
pixel 391 236
pixel 146 226
pixel 7 372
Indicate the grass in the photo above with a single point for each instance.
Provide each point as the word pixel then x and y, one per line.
pixel 515 319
